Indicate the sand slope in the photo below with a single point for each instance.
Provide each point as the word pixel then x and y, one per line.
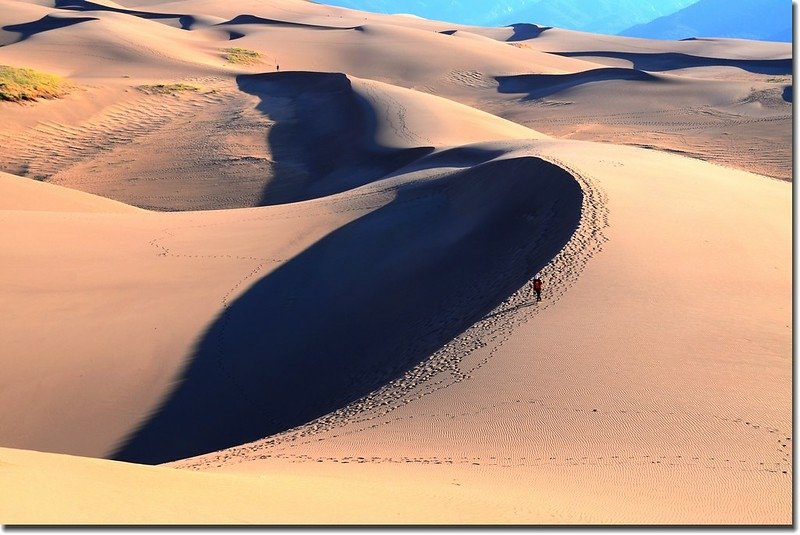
pixel 28 195
pixel 673 428
pixel 690 402
pixel 91 491
pixel 744 85
pixel 247 280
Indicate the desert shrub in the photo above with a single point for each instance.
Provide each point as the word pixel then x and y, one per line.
pixel 166 89
pixel 241 56
pixel 18 84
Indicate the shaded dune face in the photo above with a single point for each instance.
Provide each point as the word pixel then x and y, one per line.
pixel 185 22
pixel 525 31
pixel 543 85
pixel 668 61
pixel 252 19
pixel 460 157
pixel 323 139
pixel 48 22
pixel 364 305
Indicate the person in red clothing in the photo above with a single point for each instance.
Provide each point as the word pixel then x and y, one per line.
pixel 537 287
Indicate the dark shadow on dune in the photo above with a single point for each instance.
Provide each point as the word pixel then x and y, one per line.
pixel 363 305
pixel 543 85
pixel 253 19
pixel 457 157
pixel 787 93
pixel 323 139
pixel 668 61
pixel 45 24
pixel 523 32
pixel 448 32
pixel 185 22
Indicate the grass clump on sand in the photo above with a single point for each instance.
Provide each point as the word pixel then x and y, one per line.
pixel 17 84
pixel 166 89
pixel 241 56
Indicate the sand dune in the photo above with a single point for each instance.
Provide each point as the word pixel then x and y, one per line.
pixel 655 411
pixel 313 285
pixel 458 64
pixel 27 195
pixel 429 185
pixel 113 39
pixel 544 85
pixel 377 305
pixel 560 41
pixel 669 61
pixel 92 491
pixel 46 23
pixel 333 134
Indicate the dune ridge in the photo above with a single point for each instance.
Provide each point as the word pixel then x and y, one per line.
pixel 543 85
pixel 668 61
pixel 455 259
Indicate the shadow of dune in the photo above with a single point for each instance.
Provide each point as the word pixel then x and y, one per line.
pixel 48 22
pixel 543 85
pixel 524 31
pixel 363 305
pixel 253 19
pixel 787 93
pixel 185 22
pixel 668 61
pixel 323 139
pixel 465 156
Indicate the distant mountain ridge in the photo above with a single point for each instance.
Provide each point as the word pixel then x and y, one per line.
pixel 769 20
pixel 596 16
pixel 476 12
pixel 600 16
pixel 766 20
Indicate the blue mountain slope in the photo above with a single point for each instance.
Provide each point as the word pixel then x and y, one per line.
pixel 601 16
pixel 459 11
pixel 596 16
pixel 768 20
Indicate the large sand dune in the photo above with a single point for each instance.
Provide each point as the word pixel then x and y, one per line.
pixel 632 374
pixel 313 284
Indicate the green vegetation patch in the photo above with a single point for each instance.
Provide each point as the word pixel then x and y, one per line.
pixel 242 56
pixel 166 89
pixel 18 84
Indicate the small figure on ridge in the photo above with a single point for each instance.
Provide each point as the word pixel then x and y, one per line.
pixel 537 287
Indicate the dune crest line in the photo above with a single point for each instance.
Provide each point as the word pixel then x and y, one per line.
pixel 461 244
pixel 454 361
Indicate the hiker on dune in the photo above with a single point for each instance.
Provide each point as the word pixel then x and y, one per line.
pixel 537 287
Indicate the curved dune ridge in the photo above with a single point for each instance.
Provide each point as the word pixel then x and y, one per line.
pixel 24 194
pixel 324 136
pixel 304 284
pixel 378 301
pixel 543 85
pixel 668 61
pixel 442 191
pixel 47 23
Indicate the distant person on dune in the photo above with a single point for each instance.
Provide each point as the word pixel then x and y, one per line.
pixel 537 287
